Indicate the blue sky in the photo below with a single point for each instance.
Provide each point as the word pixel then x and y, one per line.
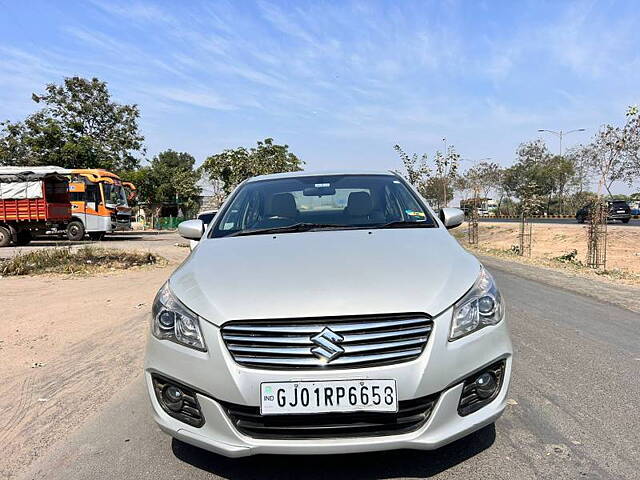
pixel 340 82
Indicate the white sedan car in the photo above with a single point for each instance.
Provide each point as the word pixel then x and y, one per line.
pixel 327 313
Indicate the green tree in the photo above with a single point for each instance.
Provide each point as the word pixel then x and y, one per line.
pixel 482 178
pixel 528 178
pixel 435 189
pixel 233 166
pixel 78 127
pixel 169 179
pixel 561 171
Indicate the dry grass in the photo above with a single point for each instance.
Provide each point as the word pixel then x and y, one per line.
pixel 84 260
pixel 562 247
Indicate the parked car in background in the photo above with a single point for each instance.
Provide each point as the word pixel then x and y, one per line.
pixel 323 314
pixel 207 216
pixel 618 210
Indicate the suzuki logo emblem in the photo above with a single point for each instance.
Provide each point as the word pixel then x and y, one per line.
pixel 327 345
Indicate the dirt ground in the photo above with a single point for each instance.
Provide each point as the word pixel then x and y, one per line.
pixel 553 240
pixel 68 344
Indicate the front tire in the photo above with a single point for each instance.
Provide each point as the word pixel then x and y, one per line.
pixel 96 236
pixel 75 231
pixel 626 220
pixel 5 237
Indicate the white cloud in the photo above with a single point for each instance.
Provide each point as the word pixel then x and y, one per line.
pixel 202 99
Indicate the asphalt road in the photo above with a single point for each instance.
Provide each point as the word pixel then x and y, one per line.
pixel 573 413
pixel 634 222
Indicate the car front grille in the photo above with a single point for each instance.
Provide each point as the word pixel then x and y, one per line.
pixel 412 414
pixel 329 342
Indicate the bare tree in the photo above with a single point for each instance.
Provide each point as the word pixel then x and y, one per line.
pixel 447 169
pixel 613 156
pixel 530 205
pixel 416 169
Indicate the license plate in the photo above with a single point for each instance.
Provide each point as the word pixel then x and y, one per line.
pixel 330 396
pixel 620 211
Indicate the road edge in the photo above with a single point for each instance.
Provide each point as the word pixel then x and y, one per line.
pixel 625 296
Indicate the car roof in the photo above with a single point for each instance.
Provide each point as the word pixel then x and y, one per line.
pixel 304 173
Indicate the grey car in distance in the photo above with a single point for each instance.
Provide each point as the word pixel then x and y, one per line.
pixel 327 313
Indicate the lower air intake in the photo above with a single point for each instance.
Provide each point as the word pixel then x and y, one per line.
pixel 412 414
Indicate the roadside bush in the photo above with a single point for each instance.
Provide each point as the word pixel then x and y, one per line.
pixel 67 260
pixel 570 257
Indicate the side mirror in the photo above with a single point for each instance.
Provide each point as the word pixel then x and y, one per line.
pixel 191 229
pixel 451 217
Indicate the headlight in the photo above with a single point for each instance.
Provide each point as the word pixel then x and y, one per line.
pixel 175 322
pixel 481 306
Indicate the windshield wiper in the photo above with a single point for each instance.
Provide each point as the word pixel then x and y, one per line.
pixel 404 224
pixel 296 227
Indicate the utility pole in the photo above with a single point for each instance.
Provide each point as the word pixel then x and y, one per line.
pixel 560 134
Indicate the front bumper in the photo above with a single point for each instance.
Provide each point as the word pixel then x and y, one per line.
pixel 442 368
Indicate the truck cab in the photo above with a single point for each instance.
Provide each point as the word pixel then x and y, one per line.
pixel 99 204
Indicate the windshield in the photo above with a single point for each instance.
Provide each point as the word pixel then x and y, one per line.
pixel 115 194
pixel 333 201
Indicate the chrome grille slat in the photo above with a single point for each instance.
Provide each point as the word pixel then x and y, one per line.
pixel 368 347
pixel 255 339
pixel 339 361
pixel 315 328
pixel 270 350
pixel 359 341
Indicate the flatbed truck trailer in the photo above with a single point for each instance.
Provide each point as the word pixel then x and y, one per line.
pixel 33 201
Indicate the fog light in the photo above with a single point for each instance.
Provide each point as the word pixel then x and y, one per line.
pixel 179 401
pixel 481 388
pixel 486 385
pixel 172 396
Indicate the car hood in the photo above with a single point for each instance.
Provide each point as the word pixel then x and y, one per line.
pixel 324 273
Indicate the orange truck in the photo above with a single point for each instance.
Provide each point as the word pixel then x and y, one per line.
pixel 99 203
pixel 33 200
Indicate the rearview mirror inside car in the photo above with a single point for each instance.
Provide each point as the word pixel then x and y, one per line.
pixel 318 191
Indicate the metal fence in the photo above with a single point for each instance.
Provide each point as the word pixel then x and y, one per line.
pixel 167 223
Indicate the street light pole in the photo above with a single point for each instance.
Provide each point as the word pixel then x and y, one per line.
pixel 560 134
